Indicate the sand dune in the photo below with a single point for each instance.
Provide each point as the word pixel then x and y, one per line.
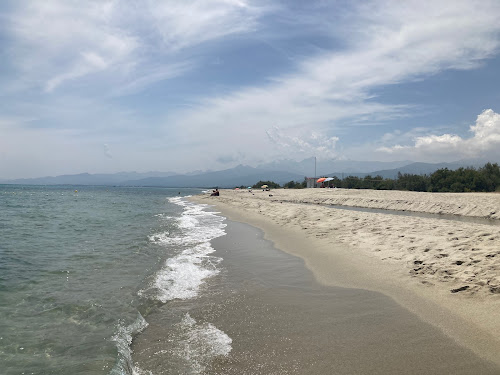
pixel 467 204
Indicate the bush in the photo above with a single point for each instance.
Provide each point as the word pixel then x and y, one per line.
pixel 270 184
pixel 469 179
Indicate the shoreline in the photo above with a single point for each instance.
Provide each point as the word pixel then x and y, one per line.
pixel 347 330
pixel 379 252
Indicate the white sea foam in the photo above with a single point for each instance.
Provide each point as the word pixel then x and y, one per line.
pixel 201 342
pixel 183 274
pixel 123 339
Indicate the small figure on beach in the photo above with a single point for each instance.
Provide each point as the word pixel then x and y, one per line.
pixel 215 193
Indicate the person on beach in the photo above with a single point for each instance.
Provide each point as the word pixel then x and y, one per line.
pixel 215 193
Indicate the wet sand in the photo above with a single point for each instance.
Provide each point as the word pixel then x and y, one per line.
pixel 282 321
pixel 399 257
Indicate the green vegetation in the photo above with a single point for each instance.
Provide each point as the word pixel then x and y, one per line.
pixel 484 179
pixel 295 185
pixel 270 184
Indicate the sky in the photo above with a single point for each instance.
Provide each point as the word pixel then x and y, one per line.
pixel 127 85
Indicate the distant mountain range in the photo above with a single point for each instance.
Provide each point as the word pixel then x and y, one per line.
pixel 240 175
pixel 278 171
pixel 88 179
pixel 307 167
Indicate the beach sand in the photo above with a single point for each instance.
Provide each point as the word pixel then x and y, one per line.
pixel 447 272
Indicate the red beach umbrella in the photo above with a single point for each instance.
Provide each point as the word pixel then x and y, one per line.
pixel 321 179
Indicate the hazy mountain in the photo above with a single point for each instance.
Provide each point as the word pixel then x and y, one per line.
pixel 194 173
pixel 88 179
pixel 323 167
pixel 278 171
pixel 240 175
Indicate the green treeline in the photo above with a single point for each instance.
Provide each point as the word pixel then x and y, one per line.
pixel 484 179
pixel 270 184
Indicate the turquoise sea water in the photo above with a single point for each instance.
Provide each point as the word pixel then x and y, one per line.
pixel 82 267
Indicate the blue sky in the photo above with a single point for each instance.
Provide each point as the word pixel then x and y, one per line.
pixel 109 86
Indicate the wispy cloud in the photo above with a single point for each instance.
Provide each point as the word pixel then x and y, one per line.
pixel 385 43
pixel 107 151
pixel 182 24
pixel 57 42
pixel 302 142
pixel 152 75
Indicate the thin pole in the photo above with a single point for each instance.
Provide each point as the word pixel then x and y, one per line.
pixel 315 171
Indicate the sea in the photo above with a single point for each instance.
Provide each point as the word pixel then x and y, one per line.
pixel 132 281
pixel 83 269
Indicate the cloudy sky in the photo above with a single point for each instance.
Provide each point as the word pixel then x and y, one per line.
pixel 107 86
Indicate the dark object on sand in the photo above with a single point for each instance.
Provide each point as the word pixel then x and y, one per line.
pixel 459 289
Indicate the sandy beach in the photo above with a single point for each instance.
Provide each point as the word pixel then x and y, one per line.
pixel 445 271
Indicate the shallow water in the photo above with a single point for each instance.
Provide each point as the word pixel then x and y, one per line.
pixel 72 263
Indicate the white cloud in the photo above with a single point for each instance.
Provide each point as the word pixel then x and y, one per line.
pixel 302 143
pixel 385 43
pixel 107 151
pixel 484 142
pixel 153 75
pixel 58 41
pixel 183 24
pixel 90 53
